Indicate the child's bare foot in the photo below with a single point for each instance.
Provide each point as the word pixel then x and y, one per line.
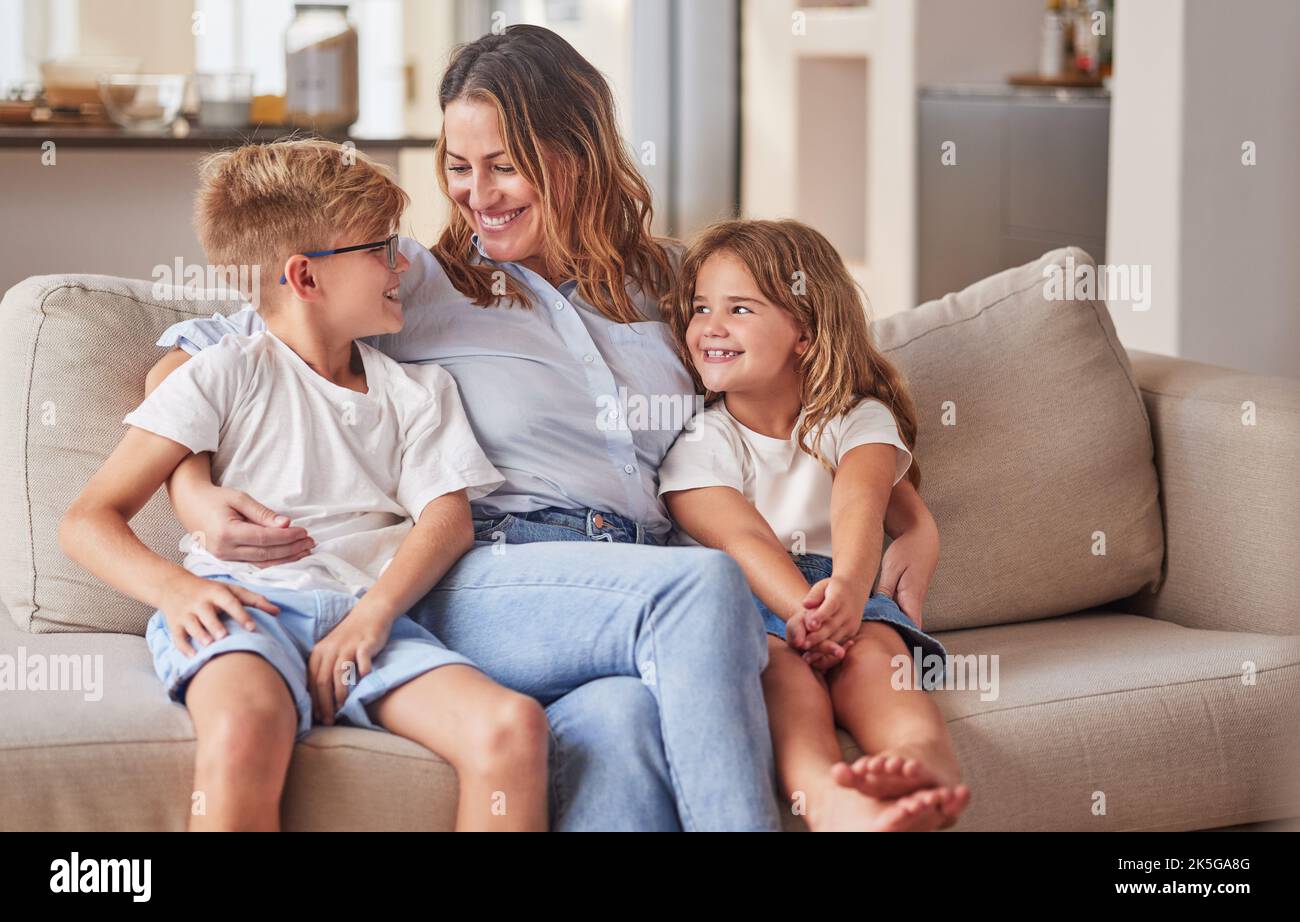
pixel 954 805
pixel 927 810
pixel 844 809
pixel 897 771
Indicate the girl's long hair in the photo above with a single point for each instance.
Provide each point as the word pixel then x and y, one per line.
pixel 557 121
pixel 797 269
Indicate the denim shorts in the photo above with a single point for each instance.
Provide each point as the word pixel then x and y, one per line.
pixel 880 607
pixel 562 525
pixel 286 641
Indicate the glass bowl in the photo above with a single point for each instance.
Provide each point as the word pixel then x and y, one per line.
pixel 142 102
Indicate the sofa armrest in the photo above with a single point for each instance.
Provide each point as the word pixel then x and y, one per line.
pixel 1229 493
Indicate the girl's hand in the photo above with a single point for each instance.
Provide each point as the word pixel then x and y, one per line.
pixel 232 525
pixel 907 568
pixel 355 641
pixel 834 613
pixel 193 606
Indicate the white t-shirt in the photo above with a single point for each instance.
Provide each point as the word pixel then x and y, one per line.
pixel 353 469
pixel 790 488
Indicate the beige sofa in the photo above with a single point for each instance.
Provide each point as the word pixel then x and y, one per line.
pixel 1120 537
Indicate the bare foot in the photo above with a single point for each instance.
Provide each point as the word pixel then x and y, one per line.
pixel 897 771
pixel 843 809
pixel 922 811
pixel 954 805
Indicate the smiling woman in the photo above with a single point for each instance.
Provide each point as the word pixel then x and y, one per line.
pixel 518 168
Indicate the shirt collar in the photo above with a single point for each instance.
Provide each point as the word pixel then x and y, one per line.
pixel 477 254
pixel 476 249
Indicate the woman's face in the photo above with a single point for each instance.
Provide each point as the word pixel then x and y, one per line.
pixel 487 188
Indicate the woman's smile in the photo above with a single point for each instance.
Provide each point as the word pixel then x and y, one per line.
pixel 495 221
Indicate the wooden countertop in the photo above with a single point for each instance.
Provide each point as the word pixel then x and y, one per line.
pixel 197 138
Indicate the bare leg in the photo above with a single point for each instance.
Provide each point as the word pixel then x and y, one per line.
pixel 806 747
pixel 901 730
pixel 245 721
pixel 496 739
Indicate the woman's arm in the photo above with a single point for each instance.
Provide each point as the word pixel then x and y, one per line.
pixel 913 554
pixel 233 525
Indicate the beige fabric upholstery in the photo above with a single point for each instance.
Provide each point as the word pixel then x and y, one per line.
pixel 1152 715
pixel 1230 493
pixel 1147 716
pixel 1051 446
pixel 72 364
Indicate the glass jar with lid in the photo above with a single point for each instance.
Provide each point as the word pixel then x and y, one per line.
pixel 320 65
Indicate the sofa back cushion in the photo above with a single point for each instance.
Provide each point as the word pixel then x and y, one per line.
pixel 1035 449
pixel 1033 442
pixel 72 364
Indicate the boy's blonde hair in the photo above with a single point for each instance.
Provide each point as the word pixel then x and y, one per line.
pixel 797 269
pixel 259 204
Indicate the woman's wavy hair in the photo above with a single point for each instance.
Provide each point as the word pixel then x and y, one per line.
pixel 557 121
pixel 797 269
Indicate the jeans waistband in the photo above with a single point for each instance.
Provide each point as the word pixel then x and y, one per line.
pixel 598 525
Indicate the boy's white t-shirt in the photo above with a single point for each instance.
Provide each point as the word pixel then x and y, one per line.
pixel 790 488
pixel 353 469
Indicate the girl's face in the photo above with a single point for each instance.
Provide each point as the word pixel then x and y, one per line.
pixel 738 340
pixel 494 198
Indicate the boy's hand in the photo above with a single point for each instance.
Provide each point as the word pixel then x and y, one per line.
pixel 907 568
pixel 343 657
pixel 193 608
pixel 834 613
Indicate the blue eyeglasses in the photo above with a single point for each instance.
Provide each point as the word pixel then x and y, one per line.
pixel 389 247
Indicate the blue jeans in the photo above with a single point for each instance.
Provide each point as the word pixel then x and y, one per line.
pixel 647 658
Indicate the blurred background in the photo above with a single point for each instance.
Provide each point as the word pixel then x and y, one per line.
pixel 934 141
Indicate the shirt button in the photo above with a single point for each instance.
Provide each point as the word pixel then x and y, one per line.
pixel 629 469
pixel 589 358
pixel 559 305
pixel 613 413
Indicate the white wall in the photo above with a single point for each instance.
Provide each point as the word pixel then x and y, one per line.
pixel 958 41
pixel 1194 80
pixel 1144 202
pixel 1240 302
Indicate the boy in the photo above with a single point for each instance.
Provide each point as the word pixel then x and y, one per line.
pixel 375 459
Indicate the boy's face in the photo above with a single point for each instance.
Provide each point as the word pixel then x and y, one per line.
pixel 739 340
pixel 355 294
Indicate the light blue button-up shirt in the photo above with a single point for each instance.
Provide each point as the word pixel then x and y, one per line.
pixel 576 411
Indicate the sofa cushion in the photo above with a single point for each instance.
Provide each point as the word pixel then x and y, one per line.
pixel 1049 453
pixel 1153 715
pixel 1034 446
pixel 72 364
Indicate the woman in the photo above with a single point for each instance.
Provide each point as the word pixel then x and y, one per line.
pixel 542 298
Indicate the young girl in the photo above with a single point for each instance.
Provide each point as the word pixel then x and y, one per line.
pixel 789 470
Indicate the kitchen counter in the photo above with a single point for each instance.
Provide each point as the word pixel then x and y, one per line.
pixel 196 138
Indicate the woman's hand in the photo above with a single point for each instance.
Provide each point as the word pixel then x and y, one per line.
pixel 354 642
pixel 908 566
pixel 231 525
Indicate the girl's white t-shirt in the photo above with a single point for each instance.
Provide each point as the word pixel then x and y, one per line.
pixel 790 488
